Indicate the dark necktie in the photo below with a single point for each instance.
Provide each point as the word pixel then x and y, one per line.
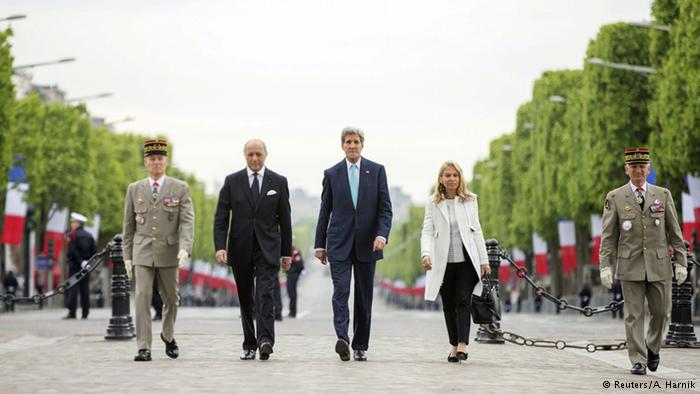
pixel 255 188
pixel 640 197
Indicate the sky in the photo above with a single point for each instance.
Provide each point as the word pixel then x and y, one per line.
pixel 427 81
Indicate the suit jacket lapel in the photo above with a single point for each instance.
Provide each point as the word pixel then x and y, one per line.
pixel 632 200
pixel 345 181
pixel 651 195
pixel 164 190
pixel 144 191
pixel 246 188
pixel 363 172
pixel 265 187
pixel 442 207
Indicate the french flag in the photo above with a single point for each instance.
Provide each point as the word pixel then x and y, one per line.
pixel 694 189
pixel 56 231
pixel 15 208
pixel 504 271
pixel 539 247
pixel 94 230
pixel 596 232
pixel 688 218
pixel 567 243
pixel 518 257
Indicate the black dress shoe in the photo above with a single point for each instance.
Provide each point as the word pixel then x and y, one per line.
pixel 638 369
pixel 462 355
pixel 278 317
pixel 265 351
pixel 157 317
pixel 143 355
pixel 248 354
pixel 343 350
pixel 171 348
pixel 69 317
pixel 359 355
pixel 452 359
pixel 653 360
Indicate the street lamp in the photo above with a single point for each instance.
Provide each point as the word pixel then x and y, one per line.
pixel 13 18
pixel 124 120
pixel 621 66
pixel 528 125
pixel 59 61
pixel 650 25
pixel 557 99
pixel 506 148
pixel 84 98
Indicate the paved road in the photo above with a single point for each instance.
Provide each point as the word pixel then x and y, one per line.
pixel 43 354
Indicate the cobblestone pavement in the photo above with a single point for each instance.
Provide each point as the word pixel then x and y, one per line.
pixel 43 354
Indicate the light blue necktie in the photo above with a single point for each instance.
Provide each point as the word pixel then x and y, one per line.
pixel 354 184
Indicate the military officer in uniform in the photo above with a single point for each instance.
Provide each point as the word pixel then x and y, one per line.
pixel 158 235
pixel 639 225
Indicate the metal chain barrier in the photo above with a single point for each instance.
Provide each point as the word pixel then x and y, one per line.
pixel 562 304
pixel 97 259
pixel 543 343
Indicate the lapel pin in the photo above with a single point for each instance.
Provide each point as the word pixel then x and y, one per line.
pixel 628 208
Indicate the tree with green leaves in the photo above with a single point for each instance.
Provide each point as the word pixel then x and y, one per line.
pixel 7 105
pixel 614 109
pixel 675 110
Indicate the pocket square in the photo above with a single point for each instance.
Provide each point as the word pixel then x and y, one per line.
pixel 271 193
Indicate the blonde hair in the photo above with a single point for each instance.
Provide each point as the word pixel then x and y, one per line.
pixel 462 192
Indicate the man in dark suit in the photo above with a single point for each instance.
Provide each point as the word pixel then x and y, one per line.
pixel 255 201
pixel 353 226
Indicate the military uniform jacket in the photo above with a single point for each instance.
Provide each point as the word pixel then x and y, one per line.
pixel 638 239
pixel 154 231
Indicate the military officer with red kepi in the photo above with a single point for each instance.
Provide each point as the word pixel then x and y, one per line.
pixel 639 226
pixel 158 236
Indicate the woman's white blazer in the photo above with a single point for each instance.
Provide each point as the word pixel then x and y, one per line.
pixel 435 241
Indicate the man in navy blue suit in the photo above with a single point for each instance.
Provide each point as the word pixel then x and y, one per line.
pixel 353 227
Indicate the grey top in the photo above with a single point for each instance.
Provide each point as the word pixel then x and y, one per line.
pixel 456 252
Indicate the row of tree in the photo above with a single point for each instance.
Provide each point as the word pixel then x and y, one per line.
pixel 566 151
pixel 71 163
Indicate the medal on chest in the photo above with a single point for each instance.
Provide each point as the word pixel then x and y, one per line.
pixel 627 225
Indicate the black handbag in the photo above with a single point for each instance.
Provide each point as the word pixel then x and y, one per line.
pixel 486 308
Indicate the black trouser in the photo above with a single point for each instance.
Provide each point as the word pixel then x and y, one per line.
pixel 456 294
pixel 278 298
pixel 292 279
pixel 82 287
pixel 255 282
pixel 341 274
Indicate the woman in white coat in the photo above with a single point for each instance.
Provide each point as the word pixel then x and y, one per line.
pixel 454 254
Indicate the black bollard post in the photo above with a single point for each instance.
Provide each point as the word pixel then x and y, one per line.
pixel 681 330
pixel 121 325
pixel 483 335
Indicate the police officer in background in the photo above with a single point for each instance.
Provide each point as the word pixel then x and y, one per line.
pixel 292 280
pixel 639 225
pixel 158 236
pixel 81 246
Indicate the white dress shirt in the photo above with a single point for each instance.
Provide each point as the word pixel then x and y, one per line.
pixel 261 174
pixel 634 189
pixel 160 181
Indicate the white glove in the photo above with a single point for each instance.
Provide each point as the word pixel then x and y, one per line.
pixel 606 277
pixel 129 269
pixel 681 273
pixel 83 264
pixel 182 256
